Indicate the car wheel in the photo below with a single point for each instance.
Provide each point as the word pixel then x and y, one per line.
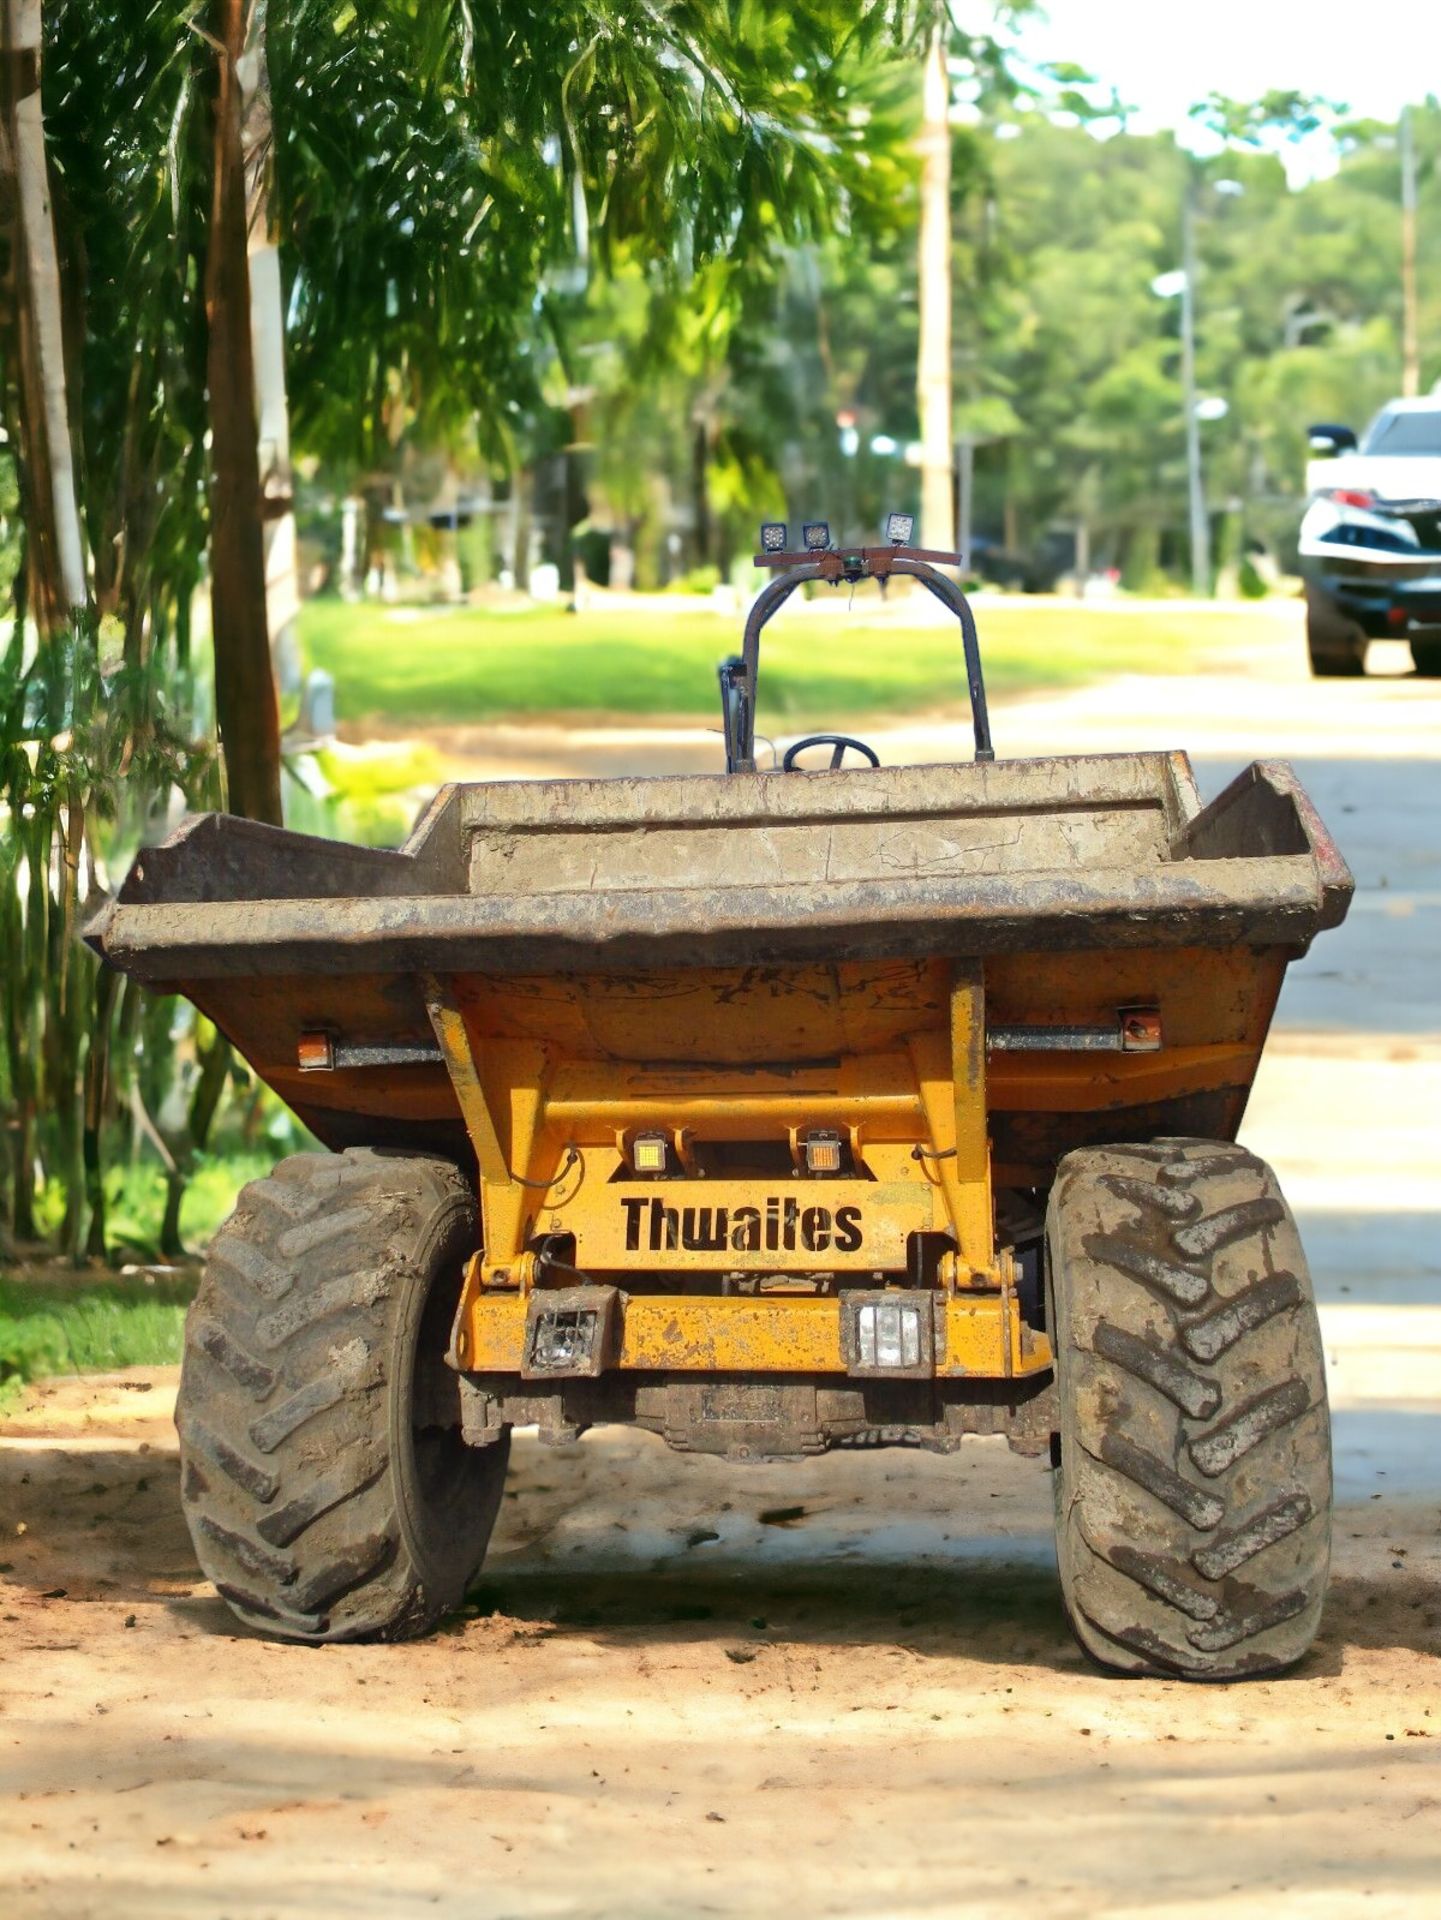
pixel 1337 648
pixel 1330 662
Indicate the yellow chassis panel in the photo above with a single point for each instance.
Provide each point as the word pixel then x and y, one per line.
pixel 754 1226
pixel 547 1130
pixel 551 1133
pixel 759 1334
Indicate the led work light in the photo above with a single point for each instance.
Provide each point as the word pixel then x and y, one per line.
pixel 888 1334
pixel 817 535
pixel 899 529
pixel 822 1149
pixel 648 1153
pixel 773 536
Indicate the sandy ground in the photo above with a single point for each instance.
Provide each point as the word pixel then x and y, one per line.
pixel 669 1703
pixel 842 1686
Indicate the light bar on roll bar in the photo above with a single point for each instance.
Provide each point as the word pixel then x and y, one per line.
pixel 738 674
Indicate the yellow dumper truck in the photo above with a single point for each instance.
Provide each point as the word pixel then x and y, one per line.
pixel 770 1111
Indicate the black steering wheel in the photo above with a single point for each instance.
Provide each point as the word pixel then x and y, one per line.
pixel 839 742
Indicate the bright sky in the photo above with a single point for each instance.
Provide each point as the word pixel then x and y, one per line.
pixel 1163 55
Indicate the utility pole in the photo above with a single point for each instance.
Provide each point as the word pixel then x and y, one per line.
pixel 933 370
pixel 1410 332
pixel 1195 478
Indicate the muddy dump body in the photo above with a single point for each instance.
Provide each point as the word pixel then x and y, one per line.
pixel 961 972
pixel 769 1112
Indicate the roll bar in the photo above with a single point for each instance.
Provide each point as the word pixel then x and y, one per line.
pixel 738 675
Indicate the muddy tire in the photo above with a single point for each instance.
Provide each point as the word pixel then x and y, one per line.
pixel 328 1490
pixel 1193 1487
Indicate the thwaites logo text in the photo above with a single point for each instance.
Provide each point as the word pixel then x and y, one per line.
pixel 784 1225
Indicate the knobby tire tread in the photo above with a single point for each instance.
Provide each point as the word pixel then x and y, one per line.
pixel 1193 1491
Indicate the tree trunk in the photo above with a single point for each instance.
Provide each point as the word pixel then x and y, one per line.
pixel 520 489
pixel 933 371
pixel 97 1075
pixel 245 700
pixel 700 486
pixel 352 571
pixel 621 577
pixel 267 328
pixel 23 1172
pixel 475 545
pixel 214 1062
pixel 965 499
pixel 1088 509
pixel 24 1093
pixel 1010 518
pixel 55 547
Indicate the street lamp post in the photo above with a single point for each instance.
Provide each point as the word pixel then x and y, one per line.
pixel 1195 478
pixel 1167 286
pixel 933 368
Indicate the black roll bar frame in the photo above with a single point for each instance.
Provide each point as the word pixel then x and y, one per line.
pixel 738 675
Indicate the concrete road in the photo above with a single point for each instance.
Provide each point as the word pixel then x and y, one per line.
pixel 839 1686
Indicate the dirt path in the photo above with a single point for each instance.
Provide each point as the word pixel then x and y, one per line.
pixel 843 1685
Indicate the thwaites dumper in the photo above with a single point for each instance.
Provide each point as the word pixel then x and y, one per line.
pixel 770 1112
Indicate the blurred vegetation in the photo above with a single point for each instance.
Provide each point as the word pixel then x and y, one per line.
pixel 1067 362
pixel 136 1194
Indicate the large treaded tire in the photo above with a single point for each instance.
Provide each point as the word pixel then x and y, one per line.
pixel 1193 1488
pixel 329 1492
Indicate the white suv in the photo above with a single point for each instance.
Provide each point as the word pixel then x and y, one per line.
pixel 1371 538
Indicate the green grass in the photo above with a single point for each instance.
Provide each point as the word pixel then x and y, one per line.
pixel 83 1323
pixel 456 666
pixel 79 1325
pixel 68 1322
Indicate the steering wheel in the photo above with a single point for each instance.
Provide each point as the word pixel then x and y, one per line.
pixel 839 742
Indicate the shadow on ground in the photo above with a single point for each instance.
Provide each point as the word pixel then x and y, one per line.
pixel 624 1553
